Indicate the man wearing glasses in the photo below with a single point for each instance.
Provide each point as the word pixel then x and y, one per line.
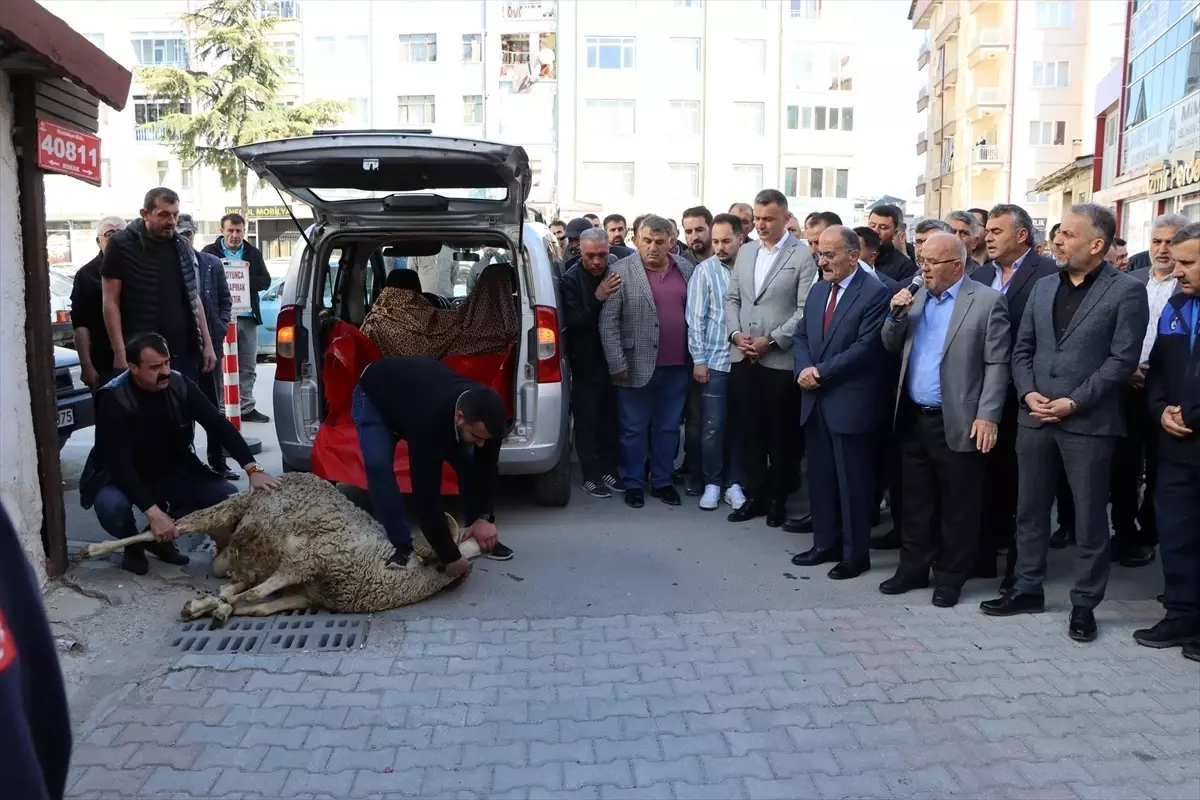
pixel 87 313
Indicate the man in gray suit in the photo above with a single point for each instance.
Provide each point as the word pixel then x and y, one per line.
pixel 1135 533
pixel 643 332
pixel 764 303
pixel 1079 343
pixel 954 341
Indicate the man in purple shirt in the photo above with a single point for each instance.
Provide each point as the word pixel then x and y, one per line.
pixel 644 336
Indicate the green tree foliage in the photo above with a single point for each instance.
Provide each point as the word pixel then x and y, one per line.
pixel 232 94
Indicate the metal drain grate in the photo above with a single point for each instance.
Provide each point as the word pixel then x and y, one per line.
pixel 290 631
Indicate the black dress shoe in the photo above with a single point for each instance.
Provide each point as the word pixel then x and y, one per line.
pixel 1014 602
pixel 134 560
pixel 899 584
pixel 749 510
pixel 693 489
pixel 1061 538
pixel 799 524
pixel 889 541
pixel 946 596
pixel 1191 651
pixel 844 570
pixel 635 498
pixel 167 552
pixel 223 471
pixel 1169 633
pixel 816 556
pixel 1082 627
pixel 1138 556
pixel 668 494
pixel 776 516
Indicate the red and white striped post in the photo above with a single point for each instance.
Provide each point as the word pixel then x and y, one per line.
pixel 229 376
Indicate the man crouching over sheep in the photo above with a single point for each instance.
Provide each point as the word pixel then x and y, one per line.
pixel 143 454
pixel 444 417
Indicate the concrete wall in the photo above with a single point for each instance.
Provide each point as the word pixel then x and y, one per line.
pixel 19 491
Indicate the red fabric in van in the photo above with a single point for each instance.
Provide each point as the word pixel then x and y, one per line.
pixel 335 455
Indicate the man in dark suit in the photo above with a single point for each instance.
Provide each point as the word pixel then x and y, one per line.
pixel 1078 345
pixel 841 370
pixel 891 261
pixel 1013 268
pixel 445 418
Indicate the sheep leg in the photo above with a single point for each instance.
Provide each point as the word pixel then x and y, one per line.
pixel 230 590
pixel 200 607
pixel 266 588
pixel 288 602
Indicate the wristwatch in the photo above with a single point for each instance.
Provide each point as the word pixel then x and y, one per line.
pixel 253 467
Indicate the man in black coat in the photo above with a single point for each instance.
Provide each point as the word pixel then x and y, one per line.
pixel 232 244
pixel 87 313
pixel 1013 267
pixel 445 418
pixel 886 220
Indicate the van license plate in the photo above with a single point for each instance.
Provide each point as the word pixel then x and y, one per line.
pixel 66 417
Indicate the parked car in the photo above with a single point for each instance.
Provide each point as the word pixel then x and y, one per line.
pixel 76 409
pixel 375 195
pixel 268 306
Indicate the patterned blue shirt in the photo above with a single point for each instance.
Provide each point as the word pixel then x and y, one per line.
pixel 708 341
pixel 924 379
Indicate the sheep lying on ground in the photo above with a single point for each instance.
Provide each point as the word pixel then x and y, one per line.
pixel 314 547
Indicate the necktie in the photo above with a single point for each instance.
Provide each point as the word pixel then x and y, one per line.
pixel 829 309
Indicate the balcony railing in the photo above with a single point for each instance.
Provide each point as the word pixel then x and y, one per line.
pixel 529 9
pixel 989 96
pixel 922 98
pixel 923 54
pixel 920 185
pixel 986 154
pixel 989 37
pixel 922 142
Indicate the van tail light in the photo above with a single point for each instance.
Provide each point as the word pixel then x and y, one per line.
pixel 285 344
pixel 549 363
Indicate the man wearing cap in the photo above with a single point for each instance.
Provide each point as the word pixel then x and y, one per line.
pixel 445 418
pixel 218 308
pixel 575 229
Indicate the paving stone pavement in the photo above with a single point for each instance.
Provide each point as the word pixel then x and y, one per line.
pixel 891 701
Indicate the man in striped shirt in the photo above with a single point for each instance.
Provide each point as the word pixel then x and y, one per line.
pixel 709 345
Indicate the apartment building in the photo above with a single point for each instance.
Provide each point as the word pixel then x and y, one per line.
pixel 1009 96
pixel 624 105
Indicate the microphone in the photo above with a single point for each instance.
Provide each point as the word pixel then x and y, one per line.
pixel 896 314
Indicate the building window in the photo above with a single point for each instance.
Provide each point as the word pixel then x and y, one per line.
pixel 609 117
pixel 164 168
pixel 1054 14
pixel 323 55
pixel 472 47
pixel 1047 133
pixel 686 54
pixel 840 78
pixel 747 179
pixel 689 3
pixel 685 180
pixel 160 51
pixel 472 109
pixel 609 52
pixel 286 51
pixel 685 117
pixel 793 118
pixel 806 118
pixel 1051 73
pixel 789 182
pixel 1032 196
pixel 819 122
pixel 105 172
pixel 418 47
pixel 359 114
pixel 750 54
pixel 185 178
pixel 535 173
pixel 146 112
pixel 281 9
pixel 416 109
pixel 816 182
pixel 603 180
pixel 805 9
pixel 841 186
pixel 750 118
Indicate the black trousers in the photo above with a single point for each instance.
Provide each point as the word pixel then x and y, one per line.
pixel 1178 505
pixel 999 500
pixel 943 489
pixel 208 385
pixel 1136 453
pixel 692 414
pixel 594 406
pixel 768 405
pixel 840 482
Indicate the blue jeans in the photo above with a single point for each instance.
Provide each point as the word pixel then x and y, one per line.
pixel 378 446
pixel 720 457
pixel 650 417
pixel 184 491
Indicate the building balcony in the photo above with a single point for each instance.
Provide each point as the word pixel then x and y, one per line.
pixel 987 100
pixel 935 183
pixel 144 133
pixel 988 43
pixel 529 10
pixel 922 142
pixel 947 27
pixel 923 54
pixel 922 13
pixel 977 5
pixel 986 155
pixel 922 98
pixel 920 185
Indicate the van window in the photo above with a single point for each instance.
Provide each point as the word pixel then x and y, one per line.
pixel 335 260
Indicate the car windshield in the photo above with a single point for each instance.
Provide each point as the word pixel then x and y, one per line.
pixel 60 285
pixel 482 193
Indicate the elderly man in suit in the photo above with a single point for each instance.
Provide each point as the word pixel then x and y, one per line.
pixel 1012 269
pixel 643 331
pixel 1135 533
pixel 764 303
pixel 1078 345
pixel 955 347
pixel 841 368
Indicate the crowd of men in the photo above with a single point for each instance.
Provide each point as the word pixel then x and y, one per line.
pixel 976 377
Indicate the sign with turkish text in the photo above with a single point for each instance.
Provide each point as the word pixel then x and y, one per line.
pixel 237 275
pixel 1175 174
pixel 263 212
pixel 68 152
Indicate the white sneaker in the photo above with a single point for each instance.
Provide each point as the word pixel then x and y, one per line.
pixel 711 498
pixel 735 497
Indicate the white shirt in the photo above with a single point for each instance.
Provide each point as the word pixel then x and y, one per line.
pixel 764 260
pixel 843 285
pixel 1158 292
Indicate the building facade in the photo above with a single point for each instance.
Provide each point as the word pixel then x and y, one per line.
pixel 622 105
pixel 1009 95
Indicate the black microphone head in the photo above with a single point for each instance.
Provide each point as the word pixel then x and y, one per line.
pixel 916 285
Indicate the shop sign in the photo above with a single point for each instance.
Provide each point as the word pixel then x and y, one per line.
pixel 260 212
pixel 68 152
pixel 1170 176
pixel 1165 133
pixel 237 275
